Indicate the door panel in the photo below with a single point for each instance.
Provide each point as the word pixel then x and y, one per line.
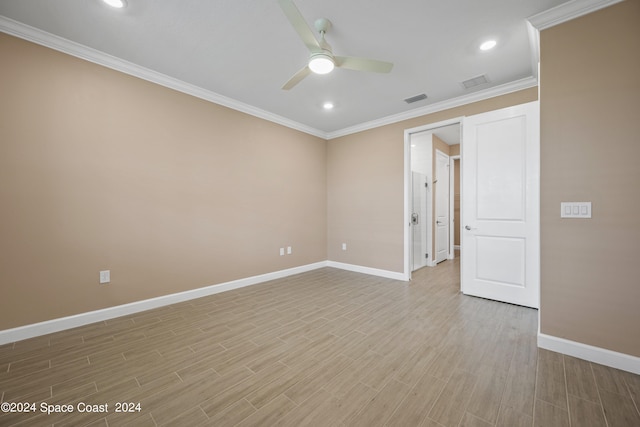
pixel 442 206
pixel 500 205
pixel 501 260
pixel 500 169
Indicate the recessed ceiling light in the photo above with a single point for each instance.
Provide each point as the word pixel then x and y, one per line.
pixel 119 4
pixel 488 45
pixel 327 106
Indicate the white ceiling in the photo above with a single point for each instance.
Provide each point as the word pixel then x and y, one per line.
pixel 243 51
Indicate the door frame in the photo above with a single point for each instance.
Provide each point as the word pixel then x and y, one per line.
pixel 452 195
pixel 407 184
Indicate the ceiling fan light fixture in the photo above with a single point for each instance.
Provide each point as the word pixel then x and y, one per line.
pixel 321 63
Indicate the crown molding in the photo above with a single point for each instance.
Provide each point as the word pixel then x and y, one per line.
pixel 504 89
pixel 69 47
pixel 534 46
pixel 541 21
pixel 77 50
pixel 568 11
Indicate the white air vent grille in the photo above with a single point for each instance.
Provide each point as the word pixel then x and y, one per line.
pixel 416 98
pixel 475 81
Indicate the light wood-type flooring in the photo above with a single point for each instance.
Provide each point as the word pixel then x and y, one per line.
pixel 323 348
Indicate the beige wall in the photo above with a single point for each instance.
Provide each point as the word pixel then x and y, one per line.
pixel 590 151
pixel 100 170
pixel 365 186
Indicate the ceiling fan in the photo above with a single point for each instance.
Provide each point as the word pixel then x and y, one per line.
pixel 322 60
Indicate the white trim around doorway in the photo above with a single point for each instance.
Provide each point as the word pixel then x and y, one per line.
pixel 407 184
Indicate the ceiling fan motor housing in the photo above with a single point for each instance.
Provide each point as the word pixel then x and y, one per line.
pixel 322 25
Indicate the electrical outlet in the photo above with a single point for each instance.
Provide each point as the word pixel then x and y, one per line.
pixel 288 250
pixel 281 251
pixel 344 246
pixel 105 276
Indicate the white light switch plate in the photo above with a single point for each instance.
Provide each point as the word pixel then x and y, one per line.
pixel 105 276
pixel 575 210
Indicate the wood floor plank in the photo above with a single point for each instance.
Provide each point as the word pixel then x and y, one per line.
pixel 633 384
pixel 487 395
pixel 451 405
pixel 551 385
pixel 414 408
pixel 580 380
pixel 142 421
pixel 470 420
pixel 326 347
pixel 268 392
pixel 446 362
pixel 415 365
pixel 269 414
pixel 619 410
pixel 385 370
pixel 341 384
pixel 233 414
pixel 342 408
pixel 520 387
pixel 230 394
pixel 610 379
pixel 304 414
pixel 321 375
pixel 430 423
pixel 585 413
pixel 168 403
pixel 547 414
pixel 510 417
pixel 379 409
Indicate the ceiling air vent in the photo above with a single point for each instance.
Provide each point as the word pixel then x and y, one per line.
pixel 475 81
pixel 416 98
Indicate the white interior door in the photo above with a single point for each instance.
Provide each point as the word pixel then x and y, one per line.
pixel 442 206
pixel 500 240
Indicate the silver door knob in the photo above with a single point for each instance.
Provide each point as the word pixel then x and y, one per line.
pixel 468 228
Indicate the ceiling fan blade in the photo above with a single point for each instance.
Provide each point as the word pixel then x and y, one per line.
pixel 363 64
pixel 300 25
pixel 297 77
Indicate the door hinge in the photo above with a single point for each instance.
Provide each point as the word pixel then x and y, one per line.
pixel 426 256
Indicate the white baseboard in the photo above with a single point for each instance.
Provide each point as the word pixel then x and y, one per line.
pixel 599 355
pixel 63 323
pixel 368 270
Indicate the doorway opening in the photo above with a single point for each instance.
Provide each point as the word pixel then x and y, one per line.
pixel 431 178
